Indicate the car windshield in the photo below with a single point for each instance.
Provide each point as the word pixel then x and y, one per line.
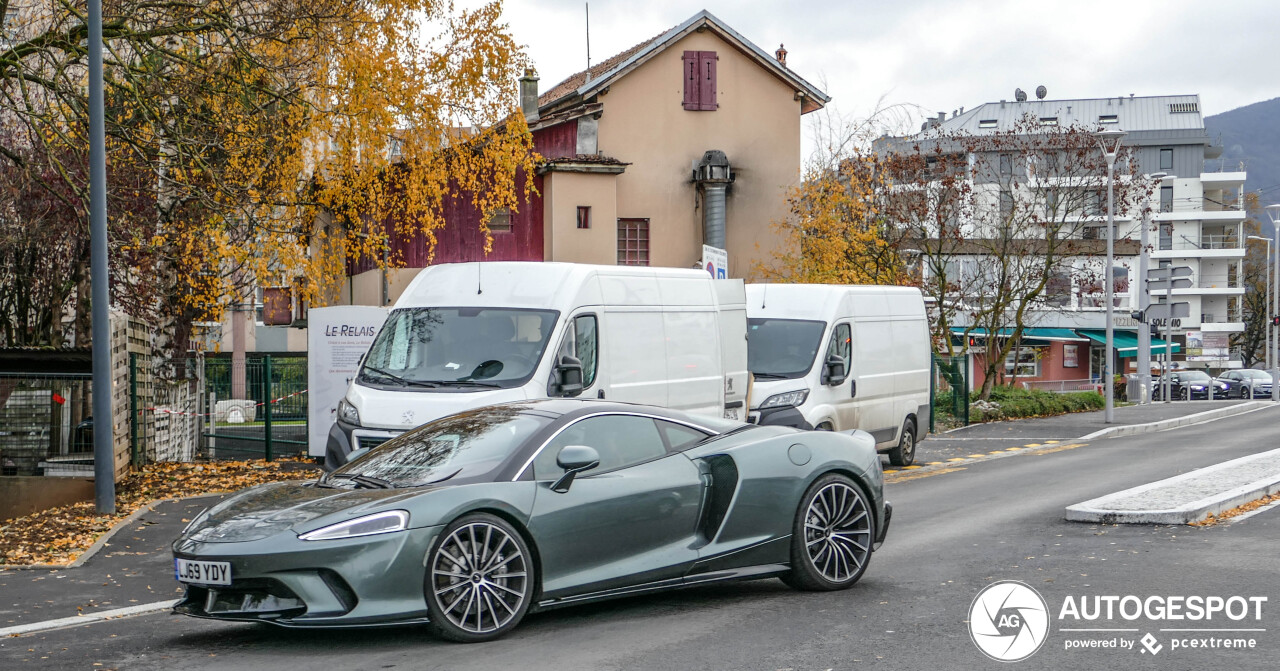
pixel 1194 376
pixel 458 447
pixel 425 348
pixel 782 348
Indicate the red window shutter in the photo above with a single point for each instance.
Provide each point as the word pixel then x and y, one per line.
pixel 692 101
pixel 707 80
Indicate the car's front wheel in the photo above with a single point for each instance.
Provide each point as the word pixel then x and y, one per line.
pixel 480 579
pixel 1246 392
pixel 831 536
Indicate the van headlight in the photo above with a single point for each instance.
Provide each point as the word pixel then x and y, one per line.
pixel 369 525
pixel 786 400
pixel 347 413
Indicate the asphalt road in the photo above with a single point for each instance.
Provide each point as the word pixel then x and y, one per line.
pixel 954 532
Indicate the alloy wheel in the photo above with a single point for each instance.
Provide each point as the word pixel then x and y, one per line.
pixel 838 531
pixel 480 577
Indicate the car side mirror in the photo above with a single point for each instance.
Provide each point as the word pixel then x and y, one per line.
pixel 568 374
pixel 835 372
pixel 356 454
pixel 574 459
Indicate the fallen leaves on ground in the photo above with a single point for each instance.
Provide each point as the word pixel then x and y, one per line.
pixel 1237 511
pixel 59 535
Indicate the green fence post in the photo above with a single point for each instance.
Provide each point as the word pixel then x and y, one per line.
pixel 133 408
pixel 933 389
pixel 968 384
pixel 266 403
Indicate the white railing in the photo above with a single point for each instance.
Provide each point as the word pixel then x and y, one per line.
pixel 1061 386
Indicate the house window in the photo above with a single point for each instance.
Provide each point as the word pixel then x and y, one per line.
pixel 1006 203
pixel 1166 199
pixel 1166 158
pixel 1109 118
pixel 700 80
pixel 1006 165
pixel 1051 203
pixel 584 216
pixel 500 222
pixel 1048 121
pixel 633 242
pixel 986 123
pixel 1023 361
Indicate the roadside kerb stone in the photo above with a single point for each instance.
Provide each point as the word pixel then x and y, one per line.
pixel 1186 498
pixel 1185 420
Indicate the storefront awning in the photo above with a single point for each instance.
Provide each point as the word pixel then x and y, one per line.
pixel 1126 342
pixel 1028 334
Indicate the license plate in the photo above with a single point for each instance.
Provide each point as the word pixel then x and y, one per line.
pixel 202 572
pixel 733 413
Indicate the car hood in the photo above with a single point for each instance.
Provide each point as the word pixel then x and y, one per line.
pixel 401 410
pixel 269 509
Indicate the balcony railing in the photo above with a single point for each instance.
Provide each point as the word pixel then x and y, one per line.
pixel 1206 241
pixel 1218 282
pixel 1223 317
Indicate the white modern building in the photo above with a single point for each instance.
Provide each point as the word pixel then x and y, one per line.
pixel 1198 207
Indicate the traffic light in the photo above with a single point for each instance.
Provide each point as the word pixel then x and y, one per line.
pixel 1275 321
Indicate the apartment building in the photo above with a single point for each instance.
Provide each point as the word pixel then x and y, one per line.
pixel 1198 216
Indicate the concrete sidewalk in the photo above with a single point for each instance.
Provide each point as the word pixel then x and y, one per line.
pixel 1080 424
pixel 131 569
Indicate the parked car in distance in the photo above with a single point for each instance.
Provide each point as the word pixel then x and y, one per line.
pixel 1247 383
pixel 1187 385
pixel 841 357
pixel 467 335
pixel 471 521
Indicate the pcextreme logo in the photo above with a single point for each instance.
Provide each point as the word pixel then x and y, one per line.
pixel 1008 621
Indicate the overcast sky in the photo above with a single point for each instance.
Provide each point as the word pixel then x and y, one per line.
pixel 942 55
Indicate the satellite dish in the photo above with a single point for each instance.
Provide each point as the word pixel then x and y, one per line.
pixel 1020 95
pixel 1041 91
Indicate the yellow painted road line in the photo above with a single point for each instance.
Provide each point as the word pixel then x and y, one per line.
pixel 1060 448
pixel 1033 445
pixel 977 456
pixel 1052 442
pixel 904 477
pixel 957 459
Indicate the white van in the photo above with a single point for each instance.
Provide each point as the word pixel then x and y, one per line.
pixel 839 358
pixel 466 335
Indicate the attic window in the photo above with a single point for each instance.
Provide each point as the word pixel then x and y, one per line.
pixel 1048 121
pixel 987 123
pixel 700 81
pixel 1109 118
pixel 1183 108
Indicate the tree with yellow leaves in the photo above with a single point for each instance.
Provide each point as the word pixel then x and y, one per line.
pixel 272 133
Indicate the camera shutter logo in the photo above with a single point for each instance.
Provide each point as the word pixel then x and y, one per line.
pixel 1008 621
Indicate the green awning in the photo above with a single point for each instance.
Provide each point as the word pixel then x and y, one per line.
pixel 1034 333
pixel 1126 342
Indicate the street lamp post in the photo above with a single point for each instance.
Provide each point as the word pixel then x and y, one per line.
pixel 1273 211
pixel 1109 141
pixel 1267 258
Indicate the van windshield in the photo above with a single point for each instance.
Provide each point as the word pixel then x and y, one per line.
pixel 782 348
pixel 425 348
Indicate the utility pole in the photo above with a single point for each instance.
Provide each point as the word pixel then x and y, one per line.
pixel 104 458
pixel 1109 141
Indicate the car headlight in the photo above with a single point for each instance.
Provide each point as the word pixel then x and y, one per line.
pixel 1197 387
pixel 348 413
pixel 378 523
pixel 786 399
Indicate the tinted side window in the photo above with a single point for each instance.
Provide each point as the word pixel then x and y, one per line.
pixel 621 440
pixel 842 346
pixel 680 437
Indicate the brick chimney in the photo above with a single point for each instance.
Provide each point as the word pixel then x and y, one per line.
pixel 781 55
pixel 529 95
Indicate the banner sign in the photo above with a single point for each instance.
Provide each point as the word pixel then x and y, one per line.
pixel 337 337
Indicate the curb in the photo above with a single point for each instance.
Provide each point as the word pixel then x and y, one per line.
pixel 77 620
pixel 1206 416
pixel 1095 510
pixel 104 538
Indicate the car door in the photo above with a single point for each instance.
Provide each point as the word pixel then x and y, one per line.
pixel 630 520
pixel 840 396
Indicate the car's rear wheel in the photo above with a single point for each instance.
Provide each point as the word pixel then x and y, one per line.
pixel 1246 392
pixel 480 579
pixel 905 453
pixel 831 536
pixel 1185 394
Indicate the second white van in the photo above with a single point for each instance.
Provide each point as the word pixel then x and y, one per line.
pixel 839 357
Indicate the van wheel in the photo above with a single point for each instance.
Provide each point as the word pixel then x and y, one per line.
pixel 905 453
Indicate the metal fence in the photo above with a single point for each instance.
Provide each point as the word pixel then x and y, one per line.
pixel 44 425
pixel 164 412
pixel 949 389
pixel 1064 386
pixel 255 410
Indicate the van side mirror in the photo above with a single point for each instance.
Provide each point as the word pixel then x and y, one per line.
pixel 568 376
pixel 574 459
pixel 356 454
pixel 834 372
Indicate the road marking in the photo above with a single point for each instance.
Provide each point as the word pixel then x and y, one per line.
pixel 88 618
pixel 1052 442
pixel 916 476
pixel 1033 445
pixel 1058 448
pixel 977 456
pixel 957 459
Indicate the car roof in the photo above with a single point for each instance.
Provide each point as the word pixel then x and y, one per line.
pixel 585 406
